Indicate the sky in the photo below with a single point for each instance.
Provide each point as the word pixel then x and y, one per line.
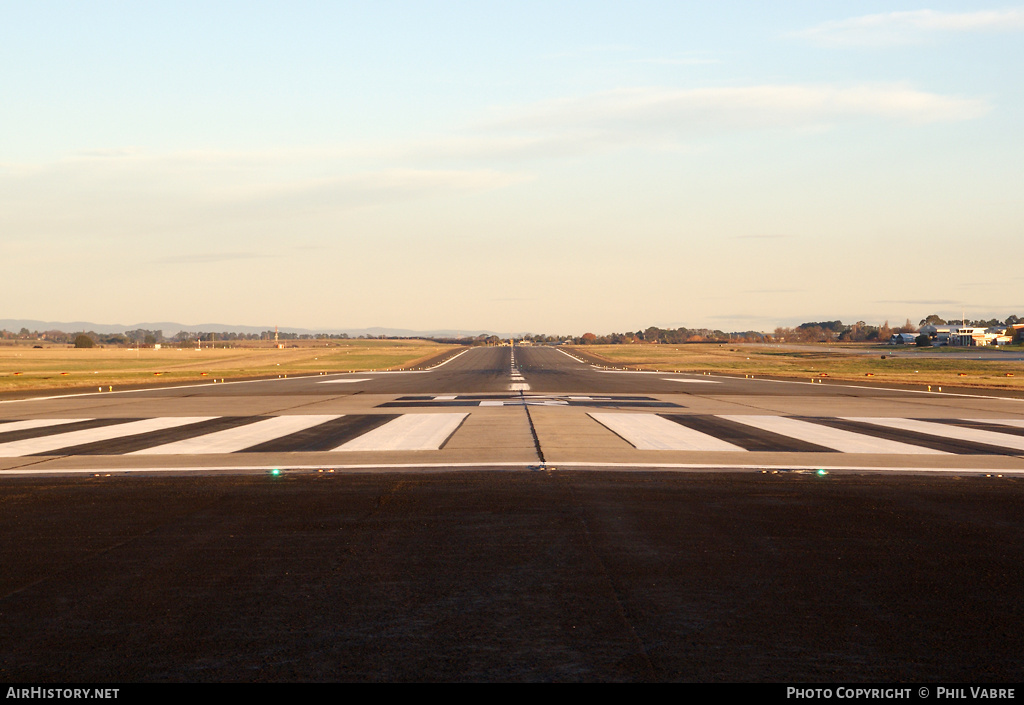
pixel 547 167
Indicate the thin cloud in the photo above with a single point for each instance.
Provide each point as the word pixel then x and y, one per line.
pixel 210 258
pixel 911 27
pixel 691 61
pixel 919 302
pixel 190 190
pixel 774 291
pixel 587 51
pixel 659 113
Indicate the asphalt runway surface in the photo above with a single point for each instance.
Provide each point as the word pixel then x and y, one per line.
pixel 511 516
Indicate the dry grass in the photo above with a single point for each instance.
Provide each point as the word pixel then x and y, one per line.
pixel 850 363
pixel 23 368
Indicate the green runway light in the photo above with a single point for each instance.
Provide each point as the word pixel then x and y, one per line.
pixel 821 472
pixel 275 472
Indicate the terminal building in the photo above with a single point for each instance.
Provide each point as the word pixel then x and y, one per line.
pixel 970 336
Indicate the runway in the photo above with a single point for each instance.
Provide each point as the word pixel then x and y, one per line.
pixel 506 407
pixel 511 516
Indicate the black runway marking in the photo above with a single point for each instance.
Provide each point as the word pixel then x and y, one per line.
pixel 149 439
pixel 60 428
pixel 596 401
pixel 746 437
pixel 325 436
pixel 980 425
pixel 946 445
pixel 498 397
pixel 424 404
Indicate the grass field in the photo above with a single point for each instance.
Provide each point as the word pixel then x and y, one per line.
pixel 23 368
pixel 860 363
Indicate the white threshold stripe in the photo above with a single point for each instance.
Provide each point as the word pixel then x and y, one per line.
pixel 239 438
pixel 35 423
pixel 692 381
pixel 834 438
pixel 31 446
pixel 1002 440
pixel 652 432
pixel 408 432
pixel 346 381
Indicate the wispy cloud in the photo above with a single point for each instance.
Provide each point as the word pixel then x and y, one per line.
pixel 653 114
pixel 210 258
pixel 580 52
pixel 774 291
pixel 683 61
pixel 911 27
pixel 921 302
pixel 138 192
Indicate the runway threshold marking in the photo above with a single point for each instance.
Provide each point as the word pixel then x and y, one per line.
pixel 430 431
pixel 972 435
pixel 240 438
pixel 35 446
pixel 837 439
pixel 652 432
pixel 408 432
pixel 11 426
pixel 1017 423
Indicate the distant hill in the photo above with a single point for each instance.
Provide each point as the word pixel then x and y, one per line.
pixel 170 328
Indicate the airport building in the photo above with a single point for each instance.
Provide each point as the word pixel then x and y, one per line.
pixel 968 336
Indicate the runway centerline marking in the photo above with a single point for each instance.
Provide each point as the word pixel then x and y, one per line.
pixel 691 381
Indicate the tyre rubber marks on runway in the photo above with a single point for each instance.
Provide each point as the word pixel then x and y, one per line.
pixel 517 383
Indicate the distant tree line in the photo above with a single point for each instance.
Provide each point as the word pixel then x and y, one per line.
pixel 667 336
pixel 810 332
pixel 934 320
pixel 149 338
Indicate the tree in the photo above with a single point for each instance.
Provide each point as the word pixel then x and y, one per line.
pixel 923 341
pixel 84 341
